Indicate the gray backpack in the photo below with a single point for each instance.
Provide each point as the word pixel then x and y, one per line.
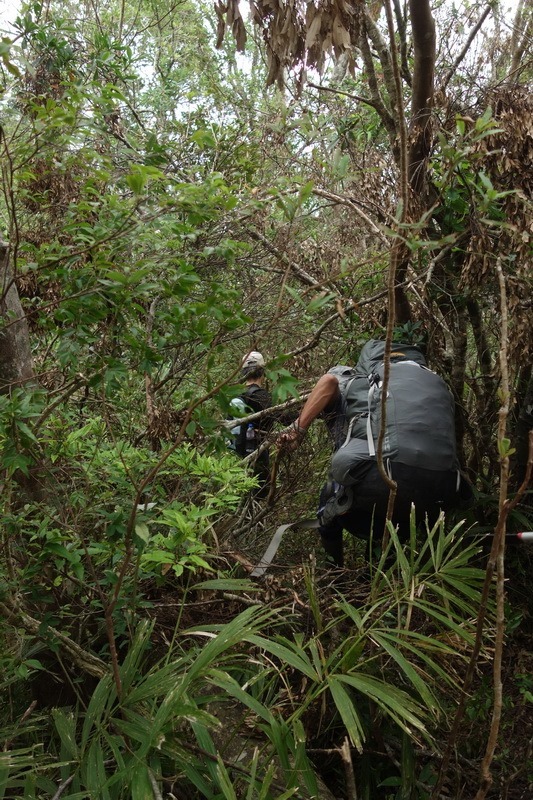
pixel 420 420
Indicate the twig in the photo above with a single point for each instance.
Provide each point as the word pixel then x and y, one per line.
pixel 527 760
pixel 384 113
pixel 517 48
pixel 449 75
pixel 346 755
pixel 148 381
pixel 357 97
pixel 247 601
pixel 62 786
pixel 271 410
pixel 83 658
pixel 482 612
pixel 295 268
pixel 386 58
pixel 29 711
pixel 394 260
pixel 346 201
pixel 402 28
pixel 507 507
pixel 155 787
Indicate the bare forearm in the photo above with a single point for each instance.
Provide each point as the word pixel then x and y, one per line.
pixel 324 392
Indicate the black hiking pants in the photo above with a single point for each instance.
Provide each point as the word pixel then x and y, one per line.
pixel 430 491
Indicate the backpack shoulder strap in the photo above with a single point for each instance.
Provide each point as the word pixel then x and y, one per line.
pixel 251 390
pixel 345 377
pixel 254 404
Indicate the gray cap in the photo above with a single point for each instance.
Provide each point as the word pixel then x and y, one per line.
pixel 253 359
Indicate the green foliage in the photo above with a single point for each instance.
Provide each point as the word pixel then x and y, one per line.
pixel 291 205
pixel 410 332
pixel 71 536
pixel 505 449
pixel 121 746
pixel 461 182
pixel 17 439
pixel 164 213
pixel 380 660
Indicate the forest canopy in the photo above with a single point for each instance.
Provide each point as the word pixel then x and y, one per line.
pixel 183 183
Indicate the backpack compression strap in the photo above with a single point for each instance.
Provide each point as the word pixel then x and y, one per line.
pixel 369 435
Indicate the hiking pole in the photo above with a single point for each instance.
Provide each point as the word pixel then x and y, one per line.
pixel 523 536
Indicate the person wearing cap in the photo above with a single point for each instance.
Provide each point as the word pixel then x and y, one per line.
pixel 255 398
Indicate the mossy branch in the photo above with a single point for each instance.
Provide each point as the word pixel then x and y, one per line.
pixel 86 661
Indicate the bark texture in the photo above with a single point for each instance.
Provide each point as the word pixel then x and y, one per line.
pixel 16 365
pixel 421 135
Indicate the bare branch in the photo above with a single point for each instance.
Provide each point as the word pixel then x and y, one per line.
pixel 385 58
pixel 384 113
pixel 472 35
pixel 349 771
pixel 16 364
pixel 486 776
pixel 402 30
pixel 357 97
pixel 295 268
pixel 90 663
pixel 350 203
pixel 495 563
pixel 518 48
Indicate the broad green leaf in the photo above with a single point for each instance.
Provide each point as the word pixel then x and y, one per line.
pixel 228 635
pixel 142 531
pixel 95 776
pixel 408 670
pixel 65 724
pixel 103 696
pixel 295 658
pixel 136 182
pixel 233 689
pixel 433 611
pixel 395 702
pixel 424 645
pixel 224 781
pixel 320 301
pixel 141 786
pixel 345 706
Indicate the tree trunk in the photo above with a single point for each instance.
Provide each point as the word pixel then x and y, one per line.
pixel 420 128
pixel 16 366
pixel 420 133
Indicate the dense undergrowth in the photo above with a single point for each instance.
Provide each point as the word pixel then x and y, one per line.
pixel 192 680
pixel 161 215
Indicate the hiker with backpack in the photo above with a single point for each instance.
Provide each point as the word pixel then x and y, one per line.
pixel 419 450
pixel 247 437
